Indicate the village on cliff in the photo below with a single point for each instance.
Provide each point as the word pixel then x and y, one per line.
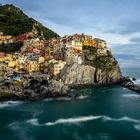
pixel 41 56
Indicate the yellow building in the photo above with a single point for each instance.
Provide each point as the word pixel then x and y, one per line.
pixel 38 44
pixel 91 43
pixel 57 66
pixel 19 66
pixel 5 39
pixel 32 66
pixel 8 58
pixel 2 59
pixel 12 64
pixel 77 45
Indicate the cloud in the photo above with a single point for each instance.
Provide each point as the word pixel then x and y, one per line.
pixel 127 54
pixel 126 27
pixel 135 39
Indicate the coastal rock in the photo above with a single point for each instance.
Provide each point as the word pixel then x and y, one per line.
pixel 126 82
pixel 32 90
pixel 76 74
pixel 108 76
pixel 57 88
pixel 41 89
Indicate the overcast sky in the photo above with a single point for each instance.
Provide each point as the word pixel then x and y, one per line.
pixel 116 21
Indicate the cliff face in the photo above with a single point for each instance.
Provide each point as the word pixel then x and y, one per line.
pixel 76 74
pixel 95 70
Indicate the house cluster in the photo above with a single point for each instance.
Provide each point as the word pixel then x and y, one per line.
pixel 29 59
pixel 7 39
pixel 70 48
pixel 76 42
pixel 4 39
pixel 51 55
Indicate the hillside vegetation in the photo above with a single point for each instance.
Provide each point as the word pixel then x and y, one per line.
pixel 14 22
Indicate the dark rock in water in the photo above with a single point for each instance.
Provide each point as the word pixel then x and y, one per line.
pixel 128 83
pixel 134 79
pixel 76 96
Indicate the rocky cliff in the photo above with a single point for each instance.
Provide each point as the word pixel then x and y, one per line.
pixel 76 74
pixel 96 71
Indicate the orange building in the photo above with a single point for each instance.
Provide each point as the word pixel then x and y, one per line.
pixel 31 66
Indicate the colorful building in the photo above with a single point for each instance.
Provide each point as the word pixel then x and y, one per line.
pixel 2 54
pixel 5 38
pixel 56 66
pixel 91 43
pixel 100 43
pixel 31 66
pixel 12 64
pixel 77 45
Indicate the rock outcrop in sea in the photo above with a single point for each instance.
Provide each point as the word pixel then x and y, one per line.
pixel 128 83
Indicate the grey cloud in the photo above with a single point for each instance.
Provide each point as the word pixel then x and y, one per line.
pixel 125 27
pixel 127 54
pixel 131 48
pixel 135 40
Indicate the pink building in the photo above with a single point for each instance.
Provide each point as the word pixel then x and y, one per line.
pixel 2 54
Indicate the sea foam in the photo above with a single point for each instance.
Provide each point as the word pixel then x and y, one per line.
pixel 133 95
pixel 58 99
pixel 137 81
pixel 137 127
pixel 10 104
pixel 82 119
pixel 81 97
pixel 124 118
pixel 33 122
pixel 73 120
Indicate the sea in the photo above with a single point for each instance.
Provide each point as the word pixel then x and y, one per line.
pixel 101 113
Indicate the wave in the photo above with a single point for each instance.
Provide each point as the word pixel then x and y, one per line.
pixel 81 119
pixel 10 103
pixel 137 127
pixel 126 89
pixel 81 97
pixel 132 95
pixel 37 113
pixel 125 118
pixel 33 122
pixel 58 99
pixel 137 81
pixel 73 120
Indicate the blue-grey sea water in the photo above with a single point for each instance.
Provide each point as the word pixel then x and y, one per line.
pixel 101 113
